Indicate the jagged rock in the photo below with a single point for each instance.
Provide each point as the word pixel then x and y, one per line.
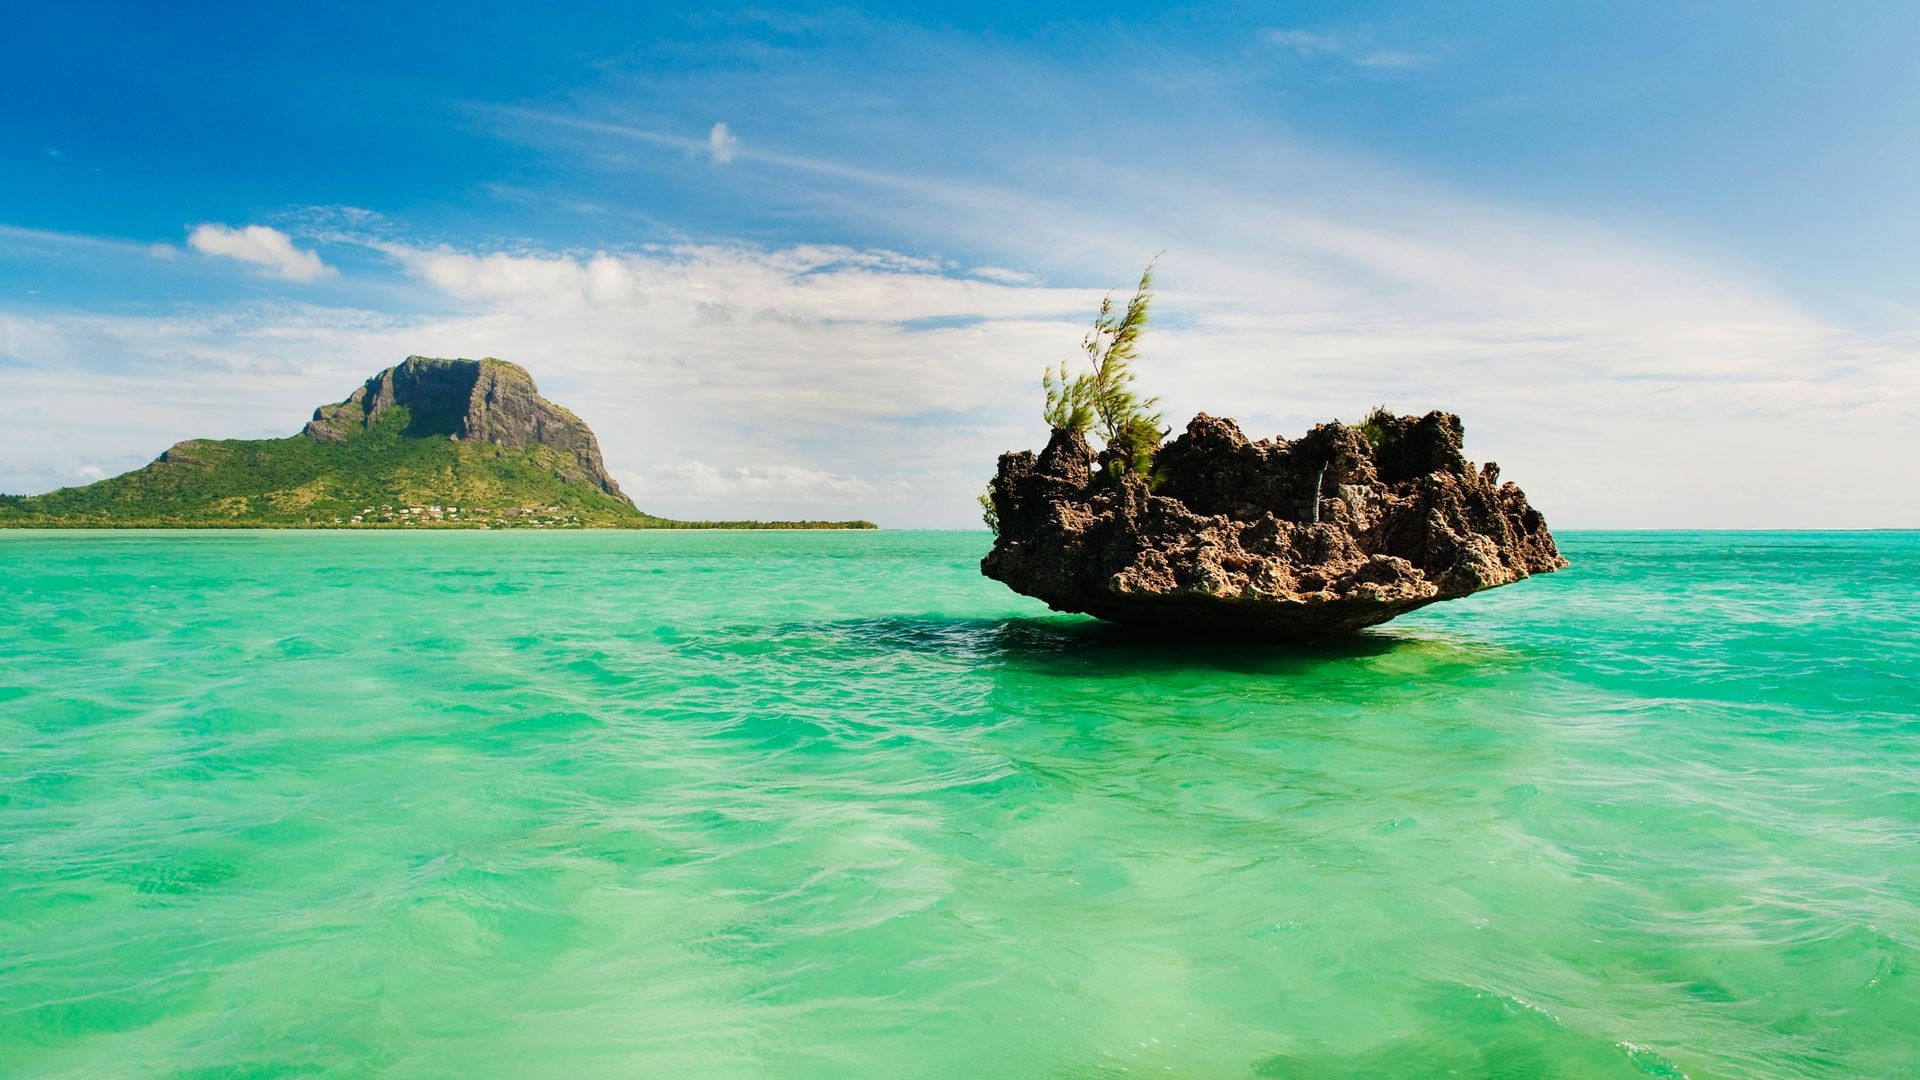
pixel 184 452
pixel 1335 531
pixel 481 400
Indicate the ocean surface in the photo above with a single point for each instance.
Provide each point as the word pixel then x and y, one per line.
pixel 832 805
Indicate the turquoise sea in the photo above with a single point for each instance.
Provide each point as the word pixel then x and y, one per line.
pixel 802 805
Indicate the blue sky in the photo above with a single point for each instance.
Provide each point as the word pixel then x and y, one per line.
pixel 812 260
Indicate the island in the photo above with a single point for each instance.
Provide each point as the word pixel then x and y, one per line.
pixel 1215 535
pixel 429 443
pixel 1343 528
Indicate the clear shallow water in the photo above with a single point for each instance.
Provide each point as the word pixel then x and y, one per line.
pixel 832 805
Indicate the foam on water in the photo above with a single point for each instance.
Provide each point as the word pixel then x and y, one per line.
pixel 832 805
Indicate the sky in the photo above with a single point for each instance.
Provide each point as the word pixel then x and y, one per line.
pixel 812 261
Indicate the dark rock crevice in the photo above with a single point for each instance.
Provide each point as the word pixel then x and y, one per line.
pixel 1310 538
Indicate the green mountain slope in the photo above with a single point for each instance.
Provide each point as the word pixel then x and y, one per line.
pixel 302 481
pixel 384 466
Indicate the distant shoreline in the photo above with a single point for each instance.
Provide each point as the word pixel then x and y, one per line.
pixel 678 526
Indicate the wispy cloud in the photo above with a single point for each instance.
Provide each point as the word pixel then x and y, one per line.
pixel 1344 47
pixel 1390 58
pixel 261 246
pixel 1301 41
pixel 1002 274
pixel 802 163
pixel 18 238
pixel 721 144
pixel 699 481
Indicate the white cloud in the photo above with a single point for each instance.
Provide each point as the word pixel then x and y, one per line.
pixel 809 284
pixel 523 281
pixel 1002 274
pixel 262 246
pixel 721 143
pixel 701 481
pixel 1389 58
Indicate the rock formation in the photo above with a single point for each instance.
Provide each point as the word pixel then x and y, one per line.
pixel 1343 528
pixel 476 400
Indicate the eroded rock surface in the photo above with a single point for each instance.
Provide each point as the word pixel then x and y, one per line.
pixel 481 400
pixel 1321 536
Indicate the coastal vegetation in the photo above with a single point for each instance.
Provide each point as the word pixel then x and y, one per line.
pixel 1101 399
pixel 1375 427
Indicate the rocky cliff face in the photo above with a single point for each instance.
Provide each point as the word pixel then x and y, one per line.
pixel 1338 530
pixel 479 400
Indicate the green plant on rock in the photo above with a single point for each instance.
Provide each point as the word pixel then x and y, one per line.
pixel 1374 427
pixel 1067 404
pixel 990 513
pixel 1102 399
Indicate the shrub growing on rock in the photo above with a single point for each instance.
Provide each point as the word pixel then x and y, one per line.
pixel 1102 399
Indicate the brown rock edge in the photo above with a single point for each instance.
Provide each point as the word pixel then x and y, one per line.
pixel 1318 537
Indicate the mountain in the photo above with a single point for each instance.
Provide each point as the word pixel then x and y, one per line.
pixel 473 401
pixel 426 443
